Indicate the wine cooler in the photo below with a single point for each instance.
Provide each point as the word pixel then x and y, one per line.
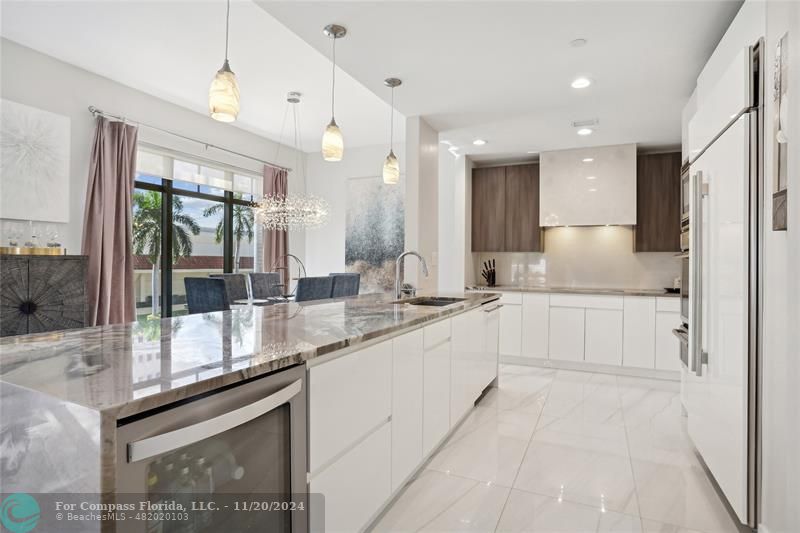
pixel 223 457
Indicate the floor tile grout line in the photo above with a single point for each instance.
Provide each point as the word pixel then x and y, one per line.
pixel 524 454
pixel 448 507
pixel 630 458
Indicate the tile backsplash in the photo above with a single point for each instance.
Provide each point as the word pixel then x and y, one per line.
pixel 596 256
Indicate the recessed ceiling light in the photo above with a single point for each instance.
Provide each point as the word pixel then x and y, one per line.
pixel 585 131
pixel 581 83
pixel 532 152
pixel 592 190
pixel 588 159
pixel 591 177
pixel 478 142
pixel 577 43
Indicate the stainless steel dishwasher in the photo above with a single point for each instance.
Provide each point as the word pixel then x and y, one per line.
pixel 244 443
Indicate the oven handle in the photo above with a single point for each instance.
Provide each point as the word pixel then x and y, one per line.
pixel 682 334
pixel 172 440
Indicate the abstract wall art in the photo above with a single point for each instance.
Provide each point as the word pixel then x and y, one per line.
pixel 375 231
pixel 34 163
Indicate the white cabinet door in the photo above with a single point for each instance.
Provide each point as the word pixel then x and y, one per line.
pixel 407 371
pixel 348 397
pixel 468 350
pixel 566 333
pixel 604 336
pixel 668 347
pixel 510 330
pixel 639 343
pixel 356 485
pixel 535 325
pixel 436 385
pixel 491 346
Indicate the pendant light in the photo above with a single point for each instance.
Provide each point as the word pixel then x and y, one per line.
pixel 332 140
pixel 391 167
pixel 223 96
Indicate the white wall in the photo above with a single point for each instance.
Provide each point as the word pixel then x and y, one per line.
pixel 780 441
pixel 422 200
pixel 455 221
pixel 598 256
pixel 37 80
pixel 325 245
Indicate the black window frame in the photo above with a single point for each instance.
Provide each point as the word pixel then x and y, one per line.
pixel 168 192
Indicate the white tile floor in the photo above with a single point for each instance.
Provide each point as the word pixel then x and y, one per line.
pixel 569 452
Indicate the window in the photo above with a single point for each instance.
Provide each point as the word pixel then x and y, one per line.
pixel 208 228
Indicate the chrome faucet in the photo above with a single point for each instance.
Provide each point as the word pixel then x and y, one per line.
pixel 398 283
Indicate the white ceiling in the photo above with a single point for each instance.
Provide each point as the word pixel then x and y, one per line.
pixel 171 49
pixel 501 71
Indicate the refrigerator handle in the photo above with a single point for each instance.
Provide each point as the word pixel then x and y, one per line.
pixel 699 357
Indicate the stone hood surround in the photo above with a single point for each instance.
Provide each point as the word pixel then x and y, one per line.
pixel 125 369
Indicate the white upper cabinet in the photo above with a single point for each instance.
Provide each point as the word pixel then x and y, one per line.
pixel 588 186
pixel 730 96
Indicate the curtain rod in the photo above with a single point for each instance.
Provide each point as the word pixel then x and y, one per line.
pixel 95 111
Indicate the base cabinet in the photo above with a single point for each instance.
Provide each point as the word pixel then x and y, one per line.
pixel 604 336
pixel 567 333
pixel 535 325
pixel 407 394
pixel 668 347
pixel 468 341
pixel 356 485
pixel 436 385
pixel 639 327
pixel 511 330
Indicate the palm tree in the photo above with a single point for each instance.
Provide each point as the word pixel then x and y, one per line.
pixel 242 226
pixel 147 232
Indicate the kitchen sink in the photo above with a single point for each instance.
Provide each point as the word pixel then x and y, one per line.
pixel 435 301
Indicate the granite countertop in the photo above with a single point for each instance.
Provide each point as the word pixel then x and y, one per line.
pixel 125 369
pixel 576 290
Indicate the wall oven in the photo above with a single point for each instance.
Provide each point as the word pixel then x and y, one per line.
pixel 685 195
pixel 243 443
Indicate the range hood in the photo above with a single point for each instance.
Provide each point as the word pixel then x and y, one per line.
pixel 588 186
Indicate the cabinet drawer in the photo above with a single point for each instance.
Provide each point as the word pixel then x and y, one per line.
pixel 436 334
pixel 587 301
pixel 668 305
pixel 615 303
pixel 511 298
pixel 356 485
pixel 568 300
pixel 348 397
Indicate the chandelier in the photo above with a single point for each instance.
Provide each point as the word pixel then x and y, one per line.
pixel 284 212
pixel 289 212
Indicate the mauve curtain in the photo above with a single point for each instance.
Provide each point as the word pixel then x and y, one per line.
pixel 107 238
pixel 276 243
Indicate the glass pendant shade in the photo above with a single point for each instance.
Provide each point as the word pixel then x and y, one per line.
pixel 391 169
pixel 223 96
pixel 332 143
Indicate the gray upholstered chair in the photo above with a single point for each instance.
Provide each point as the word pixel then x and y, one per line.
pixel 313 288
pixel 345 284
pixel 235 284
pixel 206 295
pixel 266 285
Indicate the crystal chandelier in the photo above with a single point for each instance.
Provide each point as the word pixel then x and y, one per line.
pixel 284 212
pixel 289 212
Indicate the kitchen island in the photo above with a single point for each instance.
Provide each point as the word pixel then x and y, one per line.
pixel 65 395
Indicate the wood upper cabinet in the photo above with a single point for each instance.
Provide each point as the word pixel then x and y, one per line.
pixel 505 209
pixel 523 233
pixel 488 209
pixel 658 203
